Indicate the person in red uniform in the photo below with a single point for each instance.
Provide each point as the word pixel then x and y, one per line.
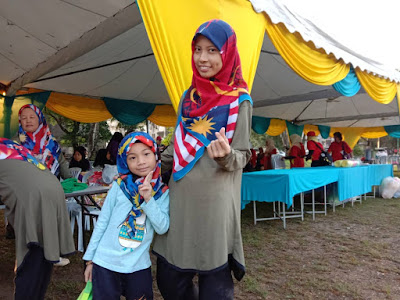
pixel 314 149
pixel 296 152
pixel 260 159
pixel 339 149
pixel 269 151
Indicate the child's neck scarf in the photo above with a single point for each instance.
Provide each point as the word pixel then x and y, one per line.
pixel 11 150
pixel 41 142
pixel 210 103
pixel 129 182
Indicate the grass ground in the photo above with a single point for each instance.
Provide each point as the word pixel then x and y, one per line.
pixel 351 254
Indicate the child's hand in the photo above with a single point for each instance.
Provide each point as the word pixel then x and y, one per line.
pixel 145 189
pixel 88 272
pixel 219 147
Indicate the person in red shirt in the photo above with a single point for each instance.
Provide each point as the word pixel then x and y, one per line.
pixel 269 151
pixel 314 149
pixel 296 152
pixel 339 149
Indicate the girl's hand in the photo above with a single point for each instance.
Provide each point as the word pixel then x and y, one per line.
pixel 88 272
pixel 145 189
pixel 220 147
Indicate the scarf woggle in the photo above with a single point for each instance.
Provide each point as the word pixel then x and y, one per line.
pixel 133 228
pixel 11 150
pixel 41 143
pixel 210 103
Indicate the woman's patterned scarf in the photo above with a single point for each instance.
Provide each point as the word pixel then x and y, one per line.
pixel 210 103
pixel 12 150
pixel 41 143
pixel 129 182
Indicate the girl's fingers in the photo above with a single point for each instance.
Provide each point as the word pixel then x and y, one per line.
pixel 209 151
pixel 218 149
pixel 148 178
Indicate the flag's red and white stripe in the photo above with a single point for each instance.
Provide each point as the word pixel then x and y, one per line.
pixel 186 146
pixel 231 124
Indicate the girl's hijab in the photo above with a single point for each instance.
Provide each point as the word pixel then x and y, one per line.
pixel 210 103
pixel 41 143
pixel 11 150
pixel 129 182
pixel 84 164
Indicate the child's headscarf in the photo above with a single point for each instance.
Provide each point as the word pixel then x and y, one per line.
pixel 11 150
pixel 129 182
pixel 41 142
pixel 210 103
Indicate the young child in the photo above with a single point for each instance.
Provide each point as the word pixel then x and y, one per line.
pixel 118 260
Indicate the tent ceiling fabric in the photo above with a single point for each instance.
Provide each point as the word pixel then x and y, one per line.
pixel 137 79
pixel 337 30
pixel 277 92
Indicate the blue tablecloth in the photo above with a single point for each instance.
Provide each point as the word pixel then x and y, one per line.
pixel 283 185
pixel 354 182
pixel 378 172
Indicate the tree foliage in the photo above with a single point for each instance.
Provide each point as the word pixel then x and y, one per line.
pixel 75 133
pixel 258 140
pixel 167 139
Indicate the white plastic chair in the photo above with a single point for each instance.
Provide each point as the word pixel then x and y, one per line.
pixel 75 171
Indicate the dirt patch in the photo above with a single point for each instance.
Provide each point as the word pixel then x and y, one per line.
pixel 350 254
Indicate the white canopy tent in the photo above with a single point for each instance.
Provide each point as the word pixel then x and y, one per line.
pixel 100 49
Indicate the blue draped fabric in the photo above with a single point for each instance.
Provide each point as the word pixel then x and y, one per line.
pixel 129 112
pixel 348 86
pixel 393 130
pixel 294 129
pixel 283 185
pixel 260 124
pixel 11 105
pixel 324 131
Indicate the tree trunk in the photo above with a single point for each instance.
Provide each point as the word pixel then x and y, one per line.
pixel 93 139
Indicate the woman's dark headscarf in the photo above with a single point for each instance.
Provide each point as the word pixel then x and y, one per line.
pixel 113 145
pixel 84 164
pixel 101 159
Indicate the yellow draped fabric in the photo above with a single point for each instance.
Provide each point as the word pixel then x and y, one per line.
pixel 308 128
pixel 379 89
pixel 163 115
pixel 374 132
pixel 312 64
pixel 276 127
pixel 80 109
pixel 171 25
pixel 350 134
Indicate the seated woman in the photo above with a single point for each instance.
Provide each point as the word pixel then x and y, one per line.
pixel 79 159
pixel 35 206
pixel 296 152
pixel 102 158
pixel 34 134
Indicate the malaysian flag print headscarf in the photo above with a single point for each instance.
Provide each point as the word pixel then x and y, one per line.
pixel 41 143
pixel 210 103
pixel 129 182
pixel 12 150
